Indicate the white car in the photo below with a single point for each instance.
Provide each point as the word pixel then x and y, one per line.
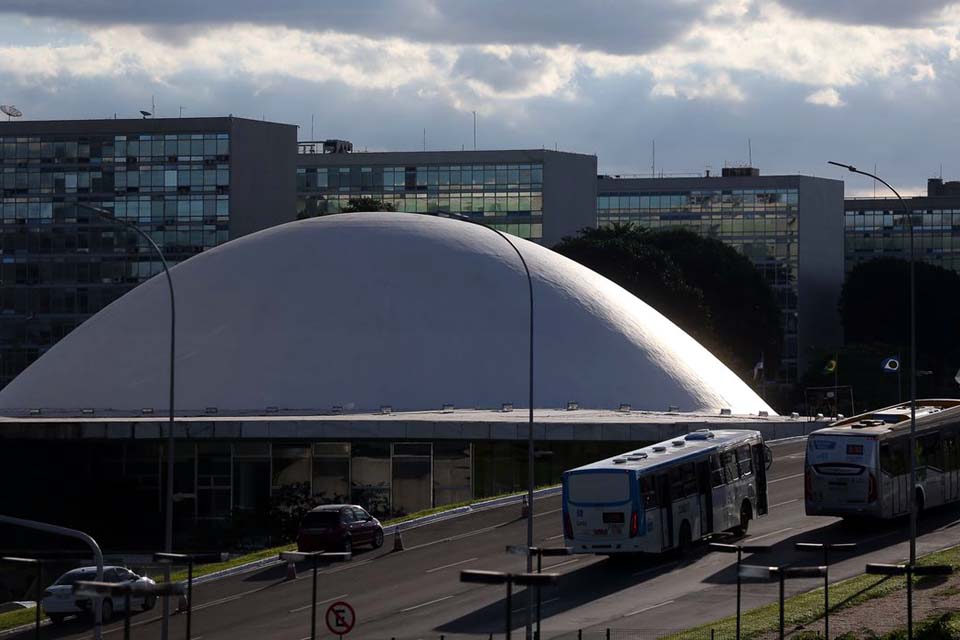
pixel 59 600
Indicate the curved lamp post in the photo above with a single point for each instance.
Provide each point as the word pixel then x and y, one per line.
pixel 168 509
pixel 911 501
pixel 530 471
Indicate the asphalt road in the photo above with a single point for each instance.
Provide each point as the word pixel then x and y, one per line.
pixel 417 593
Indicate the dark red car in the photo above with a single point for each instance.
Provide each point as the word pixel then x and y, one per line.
pixel 338 527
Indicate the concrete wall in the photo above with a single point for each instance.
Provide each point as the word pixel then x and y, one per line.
pixel 263 176
pixel 569 195
pixel 820 231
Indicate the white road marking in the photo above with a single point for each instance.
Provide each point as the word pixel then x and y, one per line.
pixel 796 475
pixel 554 537
pixel 344 567
pixel 780 504
pixel 546 513
pixel 425 604
pixel 452 564
pixel 662 604
pixel 333 599
pixel 767 535
pixel 563 564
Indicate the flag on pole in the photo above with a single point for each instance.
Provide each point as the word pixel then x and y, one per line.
pixel 890 365
pixel 757 368
pixel 957 377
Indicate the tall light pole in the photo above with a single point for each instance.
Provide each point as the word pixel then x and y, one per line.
pixel 911 497
pixel 168 509
pixel 530 470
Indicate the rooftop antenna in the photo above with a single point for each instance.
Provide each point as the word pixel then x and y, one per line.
pixel 11 111
pixel 653 159
pixel 153 105
pixel 145 114
pixel 874 182
pixel 474 130
pixel 424 138
pixel 749 153
pixel 181 111
pixel 311 128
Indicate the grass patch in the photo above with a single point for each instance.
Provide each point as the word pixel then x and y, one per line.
pixel 805 608
pixel 12 619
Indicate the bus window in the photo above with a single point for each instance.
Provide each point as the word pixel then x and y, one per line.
pixel 689 474
pixel 928 451
pixel 649 492
pixel 950 462
pixel 893 457
pixel 744 460
pixel 729 463
pixel 716 471
pixel 676 483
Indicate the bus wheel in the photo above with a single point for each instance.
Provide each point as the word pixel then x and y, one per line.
pixel 686 540
pixel 745 514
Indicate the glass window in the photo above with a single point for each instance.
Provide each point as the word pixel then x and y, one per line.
pixel 744 460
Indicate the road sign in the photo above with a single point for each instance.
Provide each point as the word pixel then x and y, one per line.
pixel 340 618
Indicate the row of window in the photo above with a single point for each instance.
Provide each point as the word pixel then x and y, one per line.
pixel 725 468
pixel 114 147
pixel 145 209
pixel 939 450
pixel 746 199
pixel 516 176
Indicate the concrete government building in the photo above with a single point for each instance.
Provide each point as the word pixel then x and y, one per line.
pixel 377 358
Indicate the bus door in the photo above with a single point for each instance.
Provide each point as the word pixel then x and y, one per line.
pixel 760 467
pixel 666 510
pixel 705 489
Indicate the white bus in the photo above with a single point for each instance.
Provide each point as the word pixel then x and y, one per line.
pixel 667 495
pixel 860 466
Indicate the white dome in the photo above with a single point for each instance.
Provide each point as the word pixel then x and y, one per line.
pixel 370 309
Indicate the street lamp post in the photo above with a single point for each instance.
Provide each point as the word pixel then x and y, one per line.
pixel 911 496
pixel 826 548
pixel 540 552
pixel 168 524
pixel 909 570
pixel 39 566
pixel 738 549
pixel 530 448
pixel 499 577
pixel 298 556
pixel 781 573
pixel 189 559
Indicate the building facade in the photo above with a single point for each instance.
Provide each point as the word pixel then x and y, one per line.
pixel 191 183
pixel 790 227
pixel 536 194
pixel 878 227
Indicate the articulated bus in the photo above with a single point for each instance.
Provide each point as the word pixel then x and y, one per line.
pixel 667 495
pixel 859 467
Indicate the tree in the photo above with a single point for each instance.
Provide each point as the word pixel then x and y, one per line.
pixel 366 204
pixel 705 287
pixel 875 308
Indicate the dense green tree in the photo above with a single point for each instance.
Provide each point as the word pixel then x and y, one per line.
pixel 875 308
pixel 366 204
pixel 707 288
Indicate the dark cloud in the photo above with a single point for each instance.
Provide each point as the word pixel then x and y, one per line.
pixel 892 13
pixel 511 73
pixel 618 26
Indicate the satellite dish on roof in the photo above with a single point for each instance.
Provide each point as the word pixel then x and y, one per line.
pixel 11 111
pixel 145 114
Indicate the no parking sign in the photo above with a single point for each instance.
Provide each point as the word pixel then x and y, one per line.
pixel 340 618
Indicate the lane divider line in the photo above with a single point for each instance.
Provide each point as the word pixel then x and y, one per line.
pixel 320 602
pixel 780 504
pixel 662 604
pixel 667 567
pixel 452 564
pixel 562 564
pixel 767 535
pixel 425 604
pixel 796 475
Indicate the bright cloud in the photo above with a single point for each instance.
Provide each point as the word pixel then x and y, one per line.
pixel 828 97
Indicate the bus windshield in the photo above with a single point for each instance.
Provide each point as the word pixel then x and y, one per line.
pixel 598 487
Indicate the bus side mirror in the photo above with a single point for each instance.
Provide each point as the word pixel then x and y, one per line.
pixel 768 456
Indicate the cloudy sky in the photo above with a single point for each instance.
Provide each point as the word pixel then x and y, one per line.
pixel 871 82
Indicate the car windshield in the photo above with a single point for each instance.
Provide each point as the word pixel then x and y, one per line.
pixel 321 519
pixel 71 577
